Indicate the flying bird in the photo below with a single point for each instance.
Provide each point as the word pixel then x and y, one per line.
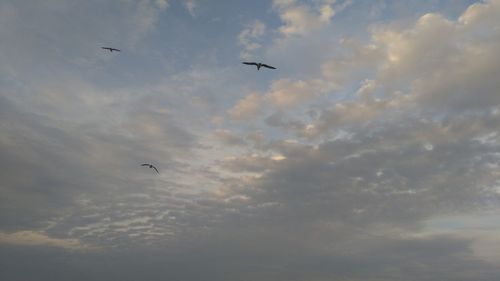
pixel 259 65
pixel 110 49
pixel 151 167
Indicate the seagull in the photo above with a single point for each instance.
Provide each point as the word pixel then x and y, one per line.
pixel 110 49
pixel 150 166
pixel 259 65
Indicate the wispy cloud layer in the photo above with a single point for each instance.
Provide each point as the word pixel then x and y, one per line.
pixel 369 160
pixel 31 238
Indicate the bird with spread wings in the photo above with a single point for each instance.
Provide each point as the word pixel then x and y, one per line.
pixel 151 167
pixel 110 49
pixel 259 65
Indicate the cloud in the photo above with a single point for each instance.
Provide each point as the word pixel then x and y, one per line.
pixel 412 139
pixel 444 61
pixel 191 6
pixel 81 153
pixel 285 93
pixel 162 4
pixel 433 64
pixel 250 38
pixel 33 238
pixel 301 19
pixel 480 228
pixel 480 13
pixel 229 138
pixel 247 108
pixel 251 163
pixel 336 174
pixel 281 120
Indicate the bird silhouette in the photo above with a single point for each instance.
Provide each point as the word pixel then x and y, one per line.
pixel 259 65
pixel 151 167
pixel 110 49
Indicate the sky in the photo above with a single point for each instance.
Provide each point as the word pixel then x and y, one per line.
pixel 371 153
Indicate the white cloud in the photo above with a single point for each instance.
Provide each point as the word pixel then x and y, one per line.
pixel 301 19
pixel 434 64
pixel 484 12
pixel 247 108
pixel 285 93
pixel 448 63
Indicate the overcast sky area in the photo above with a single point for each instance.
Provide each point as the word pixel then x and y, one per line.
pixel 371 153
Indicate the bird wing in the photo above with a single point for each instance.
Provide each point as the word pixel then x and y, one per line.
pixel 115 49
pixel 106 48
pixel 144 164
pixel 250 63
pixel 156 169
pixel 268 66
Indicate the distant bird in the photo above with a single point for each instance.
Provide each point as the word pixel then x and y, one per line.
pixel 151 167
pixel 259 65
pixel 110 49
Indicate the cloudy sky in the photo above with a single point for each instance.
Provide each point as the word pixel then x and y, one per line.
pixel 371 153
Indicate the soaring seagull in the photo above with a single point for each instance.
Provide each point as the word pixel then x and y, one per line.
pixel 259 65
pixel 150 166
pixel 110 49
